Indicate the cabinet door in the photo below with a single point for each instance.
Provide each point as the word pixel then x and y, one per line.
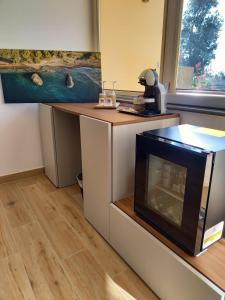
pixel 96 168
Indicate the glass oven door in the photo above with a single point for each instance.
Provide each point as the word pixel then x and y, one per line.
pixel 169 180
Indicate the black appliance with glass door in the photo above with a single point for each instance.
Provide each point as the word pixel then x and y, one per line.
pixel 180 184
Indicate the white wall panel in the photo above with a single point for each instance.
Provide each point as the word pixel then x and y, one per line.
pixel 42 24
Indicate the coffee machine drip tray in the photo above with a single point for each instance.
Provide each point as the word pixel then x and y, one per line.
pixel 145 113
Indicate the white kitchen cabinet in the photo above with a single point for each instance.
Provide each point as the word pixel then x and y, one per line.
pixel 108 162
pixel 60 134
pixel 169 276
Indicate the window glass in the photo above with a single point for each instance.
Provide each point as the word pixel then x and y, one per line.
pixel 202 46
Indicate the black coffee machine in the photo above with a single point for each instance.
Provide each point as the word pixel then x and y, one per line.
pixel 152 102
pixel 154 95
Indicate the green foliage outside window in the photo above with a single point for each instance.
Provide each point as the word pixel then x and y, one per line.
pixel 199 38
pixel 202 25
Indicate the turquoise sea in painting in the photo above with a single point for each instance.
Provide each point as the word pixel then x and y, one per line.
pixel 19 88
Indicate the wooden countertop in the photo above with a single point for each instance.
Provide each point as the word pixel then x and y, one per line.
pixel 211 263
pixel 107 115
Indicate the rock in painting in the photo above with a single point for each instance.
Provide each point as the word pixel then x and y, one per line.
pixel 69 81
pixel 37 79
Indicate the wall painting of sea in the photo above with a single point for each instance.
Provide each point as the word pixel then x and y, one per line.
pixel 41 76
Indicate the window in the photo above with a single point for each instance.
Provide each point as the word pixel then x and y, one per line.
pixel 201 58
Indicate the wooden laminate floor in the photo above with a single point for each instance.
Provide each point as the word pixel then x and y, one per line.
pixel 48 251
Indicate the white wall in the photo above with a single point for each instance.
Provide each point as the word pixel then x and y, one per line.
pixel 32 24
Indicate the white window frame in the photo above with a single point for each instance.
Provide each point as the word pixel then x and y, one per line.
pixel 169 65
